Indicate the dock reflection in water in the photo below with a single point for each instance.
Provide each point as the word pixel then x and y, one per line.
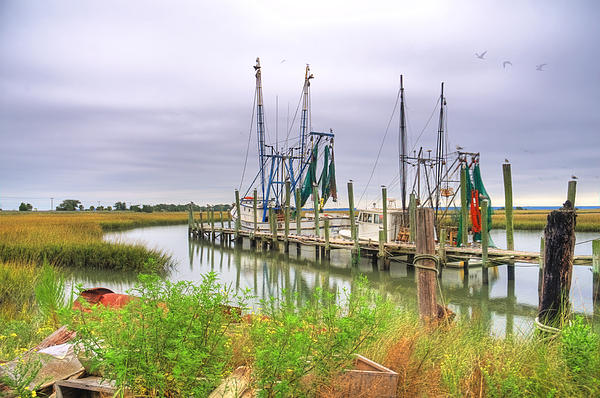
pixel 503 306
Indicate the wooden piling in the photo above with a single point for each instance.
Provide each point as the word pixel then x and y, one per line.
pixel 484 240
pixel 442 248
pixel 273 223
pixel 508 206
pixel 238 220
pixel 571 191
pixel 286 215
pixel 426 269
pixel 212 223
pixel 464 206
pixel 385 215
pixel 381 251
pixel 316 209
pixel 222 222
pixel 559 235
pixel 327 245
pixel 412 217
pixel 596 256
pixel 541 266
pixel 353 226
pixel 255 211
pixel 298 212
pixel 190 217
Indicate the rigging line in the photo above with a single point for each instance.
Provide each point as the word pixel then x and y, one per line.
pixel 295 113
pixel 387 129
pixel 427 124
pixel 248 145
pixel 587 241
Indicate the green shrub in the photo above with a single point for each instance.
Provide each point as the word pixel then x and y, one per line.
pixel 173 341
pixel 317 339
pixel 581 351
pixel 50 293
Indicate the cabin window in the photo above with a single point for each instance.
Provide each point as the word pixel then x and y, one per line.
pixel 370 218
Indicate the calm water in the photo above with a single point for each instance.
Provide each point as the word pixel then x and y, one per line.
pixel 502 305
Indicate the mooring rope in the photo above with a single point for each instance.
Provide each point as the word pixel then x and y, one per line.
pixel 436 260
pixel 545 328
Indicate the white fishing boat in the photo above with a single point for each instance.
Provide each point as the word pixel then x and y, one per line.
pixel 287 175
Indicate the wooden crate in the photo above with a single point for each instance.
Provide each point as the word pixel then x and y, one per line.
pixel 368 379
pixel 88 387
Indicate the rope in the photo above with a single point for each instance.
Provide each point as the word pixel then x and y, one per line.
pixel 436 260
pixel 381 146
pixel 545 328
pixel 587 241
pixel 248 145
pixel 431 257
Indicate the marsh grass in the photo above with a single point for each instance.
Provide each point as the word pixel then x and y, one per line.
pixel 75 239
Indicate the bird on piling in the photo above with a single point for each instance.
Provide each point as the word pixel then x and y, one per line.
pixel 482 55
pixel 540 67
pixel 574 177
pixel 505 63
pixel 506 161
pixel 459 148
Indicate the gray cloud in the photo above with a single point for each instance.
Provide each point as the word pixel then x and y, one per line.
pixel 151 102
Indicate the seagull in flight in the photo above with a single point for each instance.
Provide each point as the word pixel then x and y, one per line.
pixel 506 63
pixel 540 67
pixel 282 61
pixel 482 55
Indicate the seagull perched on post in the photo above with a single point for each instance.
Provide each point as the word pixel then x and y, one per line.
pixel 482 55
pixel 459 148
pixel 574 177
pixel 506 63
pixel 506 160
pixel 540 67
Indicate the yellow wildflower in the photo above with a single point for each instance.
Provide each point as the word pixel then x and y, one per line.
pixel 13 335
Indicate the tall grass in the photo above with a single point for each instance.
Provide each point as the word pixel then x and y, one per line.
pixel 75 239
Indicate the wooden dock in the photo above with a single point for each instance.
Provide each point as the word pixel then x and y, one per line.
pixel 450 256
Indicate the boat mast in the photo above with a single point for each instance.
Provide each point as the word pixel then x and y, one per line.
pixel 260 126
pixel 402 145
pixel 304 119
pixel 439 153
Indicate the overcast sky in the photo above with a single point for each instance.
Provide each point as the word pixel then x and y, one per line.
pixel 150 102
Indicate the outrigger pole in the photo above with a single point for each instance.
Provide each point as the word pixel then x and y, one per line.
pixel 260 129
pixel 440 156
pixel 402 146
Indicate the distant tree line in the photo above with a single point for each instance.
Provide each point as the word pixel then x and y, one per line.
pixel 73 205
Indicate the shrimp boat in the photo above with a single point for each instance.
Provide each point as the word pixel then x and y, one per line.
pixel 435 183
pixel 287 174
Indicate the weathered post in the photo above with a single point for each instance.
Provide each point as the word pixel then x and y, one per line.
pixel 559 235
pixel 541 265
pixel 385 215
pixel 353 226
pixel 190 218
pixel 255 211
pixel 222 222
pixel 508 212
pixel 327 245
pixel 381 252
pixel 508 206
pixel 238 219
pixel 426 269
pixel 273 222
pixel 571 191
pixel 442 248
pixel 484 240
pixel 464 205
pixel 201 223
pixel 412 217
pixel 286 214
pixel 596 256
pixel 212 223
pixel 316 209
pixel 298 220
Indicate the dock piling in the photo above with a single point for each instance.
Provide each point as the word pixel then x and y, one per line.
pixel 484 240
pixel 412 217
pixel 316 209
pixel 442 248
pixel 464 205
pixel 238 219
pixel 273 223
pixel 286 215
pixel 508 212
pixel 571 192
pixel 327 249
pixel 426 271
pixel 353 226
pixel 559 235
pixel 385 215
pixel 596 256
pixel 298 215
